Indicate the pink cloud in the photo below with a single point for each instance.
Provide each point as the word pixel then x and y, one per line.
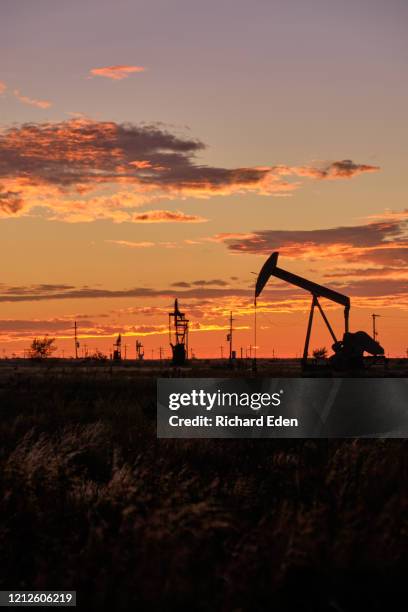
pixel 116 73
pixel 31 101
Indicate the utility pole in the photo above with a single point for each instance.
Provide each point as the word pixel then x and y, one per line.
pixel 375 333
pixel 229 337
pixel 222 351
pixel 76 340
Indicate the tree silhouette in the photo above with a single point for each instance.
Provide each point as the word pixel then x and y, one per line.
pixel 41 348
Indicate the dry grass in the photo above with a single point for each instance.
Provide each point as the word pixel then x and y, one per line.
pixel 92 501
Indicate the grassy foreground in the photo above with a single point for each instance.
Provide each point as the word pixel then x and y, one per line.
pixel 91 500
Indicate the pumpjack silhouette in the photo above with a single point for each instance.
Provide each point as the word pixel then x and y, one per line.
pixel 349 351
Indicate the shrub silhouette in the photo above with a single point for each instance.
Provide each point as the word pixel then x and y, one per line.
pixel 320 353
pixel 41 348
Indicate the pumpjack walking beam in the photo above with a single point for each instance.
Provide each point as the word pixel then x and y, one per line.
pixel 270 268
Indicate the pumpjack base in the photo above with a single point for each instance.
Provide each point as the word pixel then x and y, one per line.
pixel 179 355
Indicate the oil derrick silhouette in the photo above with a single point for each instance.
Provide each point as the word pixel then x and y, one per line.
pixel 178 335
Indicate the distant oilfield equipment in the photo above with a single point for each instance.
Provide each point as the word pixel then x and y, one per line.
pixel 232 353
pixel 76 340
pixel 117 349
pixel 139 351
pixel 178 335
pixel 348 352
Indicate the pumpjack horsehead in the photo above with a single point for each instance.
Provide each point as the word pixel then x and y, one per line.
pixel 348 352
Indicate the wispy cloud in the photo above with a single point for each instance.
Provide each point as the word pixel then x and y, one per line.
pixel 385 292
pixel 40 325
pixel 31 101
pixel 166 216
pixel 379 272
pixel 36 293
pixel 132 245
pixel 216 282
pixel 345 168
pixel 147 244
pixel 116 73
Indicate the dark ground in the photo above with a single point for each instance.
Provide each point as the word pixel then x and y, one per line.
pixel 91 500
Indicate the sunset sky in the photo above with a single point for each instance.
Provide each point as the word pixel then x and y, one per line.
pixel 154 149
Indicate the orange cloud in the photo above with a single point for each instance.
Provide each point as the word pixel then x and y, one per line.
pixel 166 216
pixel 345 168
pixel 32 101
pixel 380 246
pixel 380 272
pixel 140 163
pixel 117 207
pixel 227 236
pixel 166 245
pixel 116 73
pixel 370 239
pixel 132 245
pixel 11 203
pixel 390 215
pixel 3 87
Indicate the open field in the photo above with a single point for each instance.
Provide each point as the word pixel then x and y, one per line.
pixel 92 501
pixel 198 368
